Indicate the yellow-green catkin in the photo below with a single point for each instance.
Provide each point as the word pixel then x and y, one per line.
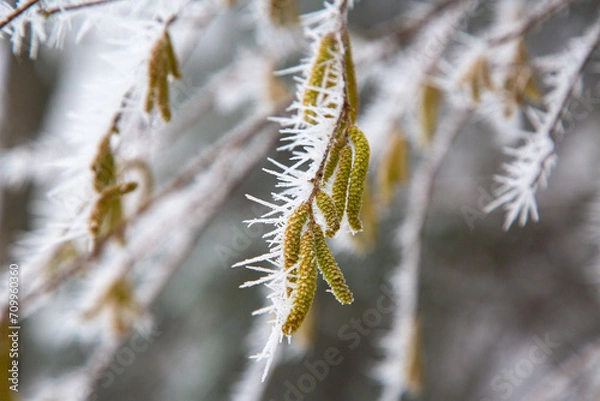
pixel 519 84
pixel 478 77
pixel 162 99
pixel 103 165
pixel 157 71
pixel 358 174
pixel 276 90
pixel 430 101
pixel 319 74
pixel 327 206
pixel 393 167
pixel 351 87
pixel 172 63
pixel 332 159
pixel 283 12
pixel 339 190
pixel 365 241
pixel 293 233
pixel 306 284
pixel 415 366
pixel 107 212
pixel 161 64
pixel 119 298
pixel 330 269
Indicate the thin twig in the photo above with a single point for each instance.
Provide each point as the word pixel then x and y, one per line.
pixel 556 113
pixel 403 31
pixel 535 19
pixel 74 7
pixel 238 136
pixel 16 12
pixel 234 170
pixel 406 277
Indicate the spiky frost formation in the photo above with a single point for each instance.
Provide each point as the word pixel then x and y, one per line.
pixel 307 134
pixel 533 160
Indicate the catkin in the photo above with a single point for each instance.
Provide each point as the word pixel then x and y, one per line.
pixel 161 63
pixel 292 234
pixel 415 364
pixel 306 284
pixel 172 64
pixel 332 159
pixel 330 269
pixel 351 87
pixel 162 90
pixel 327 207
pixel 157 71
pixel 283 12
pixel 430 99
pixel 393 167
pixel 106 212
pixel 319 74
pixel 478 76
pixel 339 190
pixel 103 165
pixel 358 175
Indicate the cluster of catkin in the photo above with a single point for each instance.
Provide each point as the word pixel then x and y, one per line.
pixel 107 210
pixel 517 87
pixel 338 185
pixel 161 64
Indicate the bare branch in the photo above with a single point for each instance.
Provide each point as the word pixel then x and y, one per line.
pixel 8 18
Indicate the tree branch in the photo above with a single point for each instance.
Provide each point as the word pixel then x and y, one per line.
pixel 535 19
pixel 74 7
pixel 406 277
pixel 8 18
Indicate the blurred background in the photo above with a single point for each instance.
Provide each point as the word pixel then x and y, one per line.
pixel 489 299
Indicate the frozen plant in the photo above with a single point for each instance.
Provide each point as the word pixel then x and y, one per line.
pixel 366 117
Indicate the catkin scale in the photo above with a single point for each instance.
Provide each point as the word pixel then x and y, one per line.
pixel 327 207
pixel 330 269
pixel 306 284
pixel 340 183
pixel 358 175
pixel 293 233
